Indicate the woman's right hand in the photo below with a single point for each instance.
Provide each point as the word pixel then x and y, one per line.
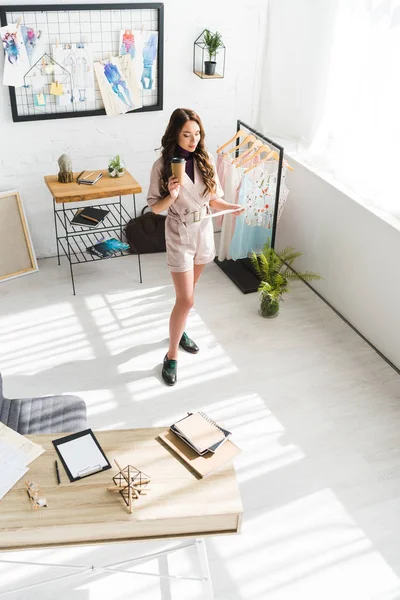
pixel 173 187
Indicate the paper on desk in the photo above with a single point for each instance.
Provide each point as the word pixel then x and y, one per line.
pixel 82 455
pixel 15 440
pixel 9 475
pixel 12 467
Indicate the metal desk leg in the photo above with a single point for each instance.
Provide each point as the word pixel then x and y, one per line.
pixel 55 225
pixel 205 569
pixel 140 265
pixel 69 251
pixel 119 568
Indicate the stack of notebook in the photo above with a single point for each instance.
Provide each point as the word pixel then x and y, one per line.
pixel 200 442
pixel 89 217
pixel 200 433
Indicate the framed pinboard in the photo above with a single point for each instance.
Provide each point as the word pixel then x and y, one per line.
pixel 17 256
pixel 64 47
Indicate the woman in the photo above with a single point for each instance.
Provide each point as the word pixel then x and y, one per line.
pixel 189 232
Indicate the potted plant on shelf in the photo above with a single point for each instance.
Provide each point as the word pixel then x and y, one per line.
pixel 116 167
pixel 212 41
pixel 274 270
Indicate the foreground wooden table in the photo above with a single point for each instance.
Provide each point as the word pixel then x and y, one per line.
pixel 84 512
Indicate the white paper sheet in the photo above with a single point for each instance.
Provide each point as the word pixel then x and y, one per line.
pixel 15 440
pixel 12 467
pixel 82 456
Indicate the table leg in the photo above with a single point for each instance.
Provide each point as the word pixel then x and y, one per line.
pixel 139 263
pixel 205 569
pixel 56 229
pixel 118 567
pixel 69 251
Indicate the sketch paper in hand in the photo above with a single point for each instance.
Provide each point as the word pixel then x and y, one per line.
pixel 16 62
pixel 118 85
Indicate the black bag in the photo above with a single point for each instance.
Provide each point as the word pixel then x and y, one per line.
pixel 146 233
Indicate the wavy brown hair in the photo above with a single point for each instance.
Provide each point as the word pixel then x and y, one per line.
pixel 169 141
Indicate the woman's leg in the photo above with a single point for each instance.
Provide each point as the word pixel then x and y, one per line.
pixel 184 290
pixel 198 269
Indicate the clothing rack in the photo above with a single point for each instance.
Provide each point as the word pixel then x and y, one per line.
pixel 241 271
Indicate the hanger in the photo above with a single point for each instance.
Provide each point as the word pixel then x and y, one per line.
pixel 239 133
pixel 253 147
pixel 273 154
pixel 262 148
pixel 247 140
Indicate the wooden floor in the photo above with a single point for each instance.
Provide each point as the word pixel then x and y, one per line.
pixel 314 408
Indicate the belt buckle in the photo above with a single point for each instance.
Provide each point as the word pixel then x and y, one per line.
pixel 196 216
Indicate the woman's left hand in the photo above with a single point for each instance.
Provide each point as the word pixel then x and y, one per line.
pixel 239 211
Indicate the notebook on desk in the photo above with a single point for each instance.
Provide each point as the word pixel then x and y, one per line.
pixel 201 465
pixel 200 432
pixel 90 178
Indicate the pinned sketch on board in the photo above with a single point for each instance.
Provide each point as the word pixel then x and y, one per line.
pixel 34 43
pixel 127 43
pixel 77 60
pixel 141 46
pixel 16 61
pixel 118 85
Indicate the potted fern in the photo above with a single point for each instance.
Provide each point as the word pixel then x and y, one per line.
pixel 116 167
pixel 212 41
pixel 274 270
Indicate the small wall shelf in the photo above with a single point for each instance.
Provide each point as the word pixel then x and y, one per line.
pixel 201 56
pixel 202 75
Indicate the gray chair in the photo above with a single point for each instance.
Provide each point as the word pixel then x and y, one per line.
pixel 49 414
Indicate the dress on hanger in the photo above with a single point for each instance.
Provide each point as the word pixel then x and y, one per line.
pixel 257 193
pixel 232 177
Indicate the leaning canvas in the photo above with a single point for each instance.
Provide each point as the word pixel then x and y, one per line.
pixel 118 85
pixel 17 256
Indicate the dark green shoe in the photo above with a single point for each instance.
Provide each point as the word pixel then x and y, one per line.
pixel 169 371
pixel 187 344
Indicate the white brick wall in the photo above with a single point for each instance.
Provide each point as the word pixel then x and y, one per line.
pixel 28 151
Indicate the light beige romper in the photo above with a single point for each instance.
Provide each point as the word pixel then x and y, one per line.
pixel 189 235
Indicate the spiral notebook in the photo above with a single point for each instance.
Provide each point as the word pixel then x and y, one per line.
pixel 200 432
pixel 200 465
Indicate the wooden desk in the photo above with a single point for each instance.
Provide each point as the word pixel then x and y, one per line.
pixel 84 512
pixel 73 240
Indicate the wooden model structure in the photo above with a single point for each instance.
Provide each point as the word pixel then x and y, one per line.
pixel 130 483
pixel 35 495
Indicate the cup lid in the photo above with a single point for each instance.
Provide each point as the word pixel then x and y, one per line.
pixel 177 159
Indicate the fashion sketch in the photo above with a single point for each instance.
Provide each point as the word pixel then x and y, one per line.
pixel 77 60
pixel 118 85
pixel 127 43
pixel 141 46
pixel 16 62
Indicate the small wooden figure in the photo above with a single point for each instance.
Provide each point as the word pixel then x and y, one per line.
pixel 65 174
pixel 130 483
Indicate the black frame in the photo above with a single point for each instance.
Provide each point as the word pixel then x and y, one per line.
pixel 73 7
pixel 241 271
